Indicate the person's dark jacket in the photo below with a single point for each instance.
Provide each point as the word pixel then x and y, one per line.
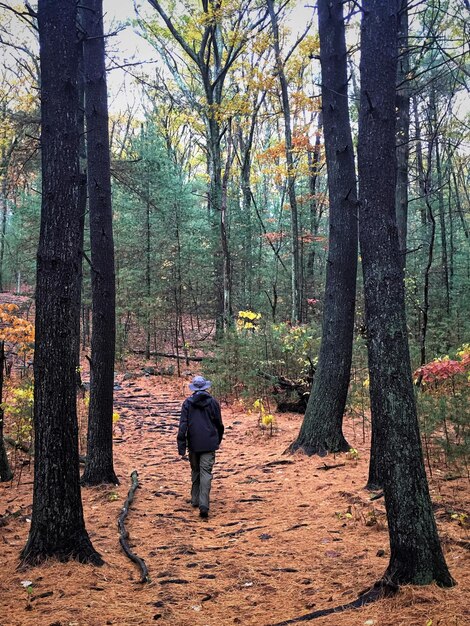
pixel 201 427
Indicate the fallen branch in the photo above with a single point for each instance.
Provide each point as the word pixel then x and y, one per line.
pixel 28 449
pixel 124 535
pixel 381 589
pixel 240 531
pixel 16 444
pixel 171 356
pixel 328 467
pixel 279 462
pixel 4 519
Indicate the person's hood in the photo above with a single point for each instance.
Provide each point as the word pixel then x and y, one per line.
pixel 200 398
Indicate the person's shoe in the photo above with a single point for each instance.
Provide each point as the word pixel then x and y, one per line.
pixel 194 504
pixel 203 511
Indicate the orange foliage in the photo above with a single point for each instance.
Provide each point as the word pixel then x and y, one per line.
pixel 309 238
pixel 300 144
pixel 16 330
pixel 273 237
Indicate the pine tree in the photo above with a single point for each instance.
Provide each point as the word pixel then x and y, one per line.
pixel 57 525
pixel 415 551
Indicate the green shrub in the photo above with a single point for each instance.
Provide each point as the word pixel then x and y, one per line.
pixel 249 355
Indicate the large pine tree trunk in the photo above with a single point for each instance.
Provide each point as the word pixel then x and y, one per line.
pixel 321 429
pixel 415 554
pixel 99 463
pixel 57 527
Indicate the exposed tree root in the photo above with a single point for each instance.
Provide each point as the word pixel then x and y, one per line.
pixel 36 552
pixel 327 446
pixel 381 589
pixel 124 535
pixel 93 479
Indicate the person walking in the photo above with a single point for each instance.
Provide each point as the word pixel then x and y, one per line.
pixel 201 431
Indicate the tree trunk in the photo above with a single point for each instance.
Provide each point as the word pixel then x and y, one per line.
pixel 57 526
pixel 5 470
pixel 403 129
pixel 83 191
pixel 4 162
pixel 224 229
pixel 99 464
pixel 296 272
pixel 419 162
pixel 321 429
pixel 442 223
pixel 315 214
pixel 148 274
pixel 246 145
pixel 431 228
pixel 415 552
pixel 3 226
pixel 248 228
pixel 217 219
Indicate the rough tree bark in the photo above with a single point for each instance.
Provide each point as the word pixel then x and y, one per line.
pixel 415 552
pixel 321 429
pixel 99 464
pixel 57 525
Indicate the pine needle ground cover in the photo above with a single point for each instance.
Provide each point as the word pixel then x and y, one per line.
pixel 284 537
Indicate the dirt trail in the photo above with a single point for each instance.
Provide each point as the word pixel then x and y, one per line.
pixel 283 536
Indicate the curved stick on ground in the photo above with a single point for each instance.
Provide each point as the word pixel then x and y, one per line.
pixel 124 535
pixel 381 589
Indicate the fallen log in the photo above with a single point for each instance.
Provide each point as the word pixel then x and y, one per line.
pixel 124 535
pixel 168 355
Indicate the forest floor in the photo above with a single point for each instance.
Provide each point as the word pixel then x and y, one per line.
pixel 284 536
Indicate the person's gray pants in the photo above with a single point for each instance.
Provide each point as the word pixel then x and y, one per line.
pixel 201 475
